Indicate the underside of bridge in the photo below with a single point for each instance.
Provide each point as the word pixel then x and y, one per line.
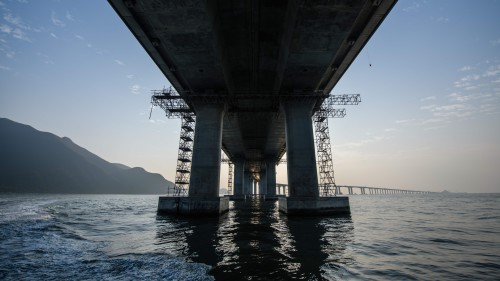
pixel 253 72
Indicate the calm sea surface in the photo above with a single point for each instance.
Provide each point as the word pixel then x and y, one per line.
pixel 387 237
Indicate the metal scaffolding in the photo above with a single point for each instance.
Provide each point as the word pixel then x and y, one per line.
pixel 170 101
pixel 175 106
pixel 230 179
pixel 327 186
pixel 184 157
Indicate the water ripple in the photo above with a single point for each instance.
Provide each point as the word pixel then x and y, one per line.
pixel 111 237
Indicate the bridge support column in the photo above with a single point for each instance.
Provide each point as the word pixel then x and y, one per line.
pixel 271 179
pixel 247 186
pixel 203 197
pixel 263 182
pixel 239 169
pixel 301 164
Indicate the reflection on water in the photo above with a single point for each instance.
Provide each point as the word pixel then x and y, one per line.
pixel 424 237
pixel 254 241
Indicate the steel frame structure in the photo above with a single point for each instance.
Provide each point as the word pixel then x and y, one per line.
pixel 176 106
pixel 230 179
pixel 184 156
pixel 327 185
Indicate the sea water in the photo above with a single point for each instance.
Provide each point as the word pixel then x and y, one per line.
pixel 120 237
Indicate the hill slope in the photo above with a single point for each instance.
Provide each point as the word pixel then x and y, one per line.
pixel 34 161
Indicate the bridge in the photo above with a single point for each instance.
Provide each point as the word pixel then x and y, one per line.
pixel 282 189
pixel 250 78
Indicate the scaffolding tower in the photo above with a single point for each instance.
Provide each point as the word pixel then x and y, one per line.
pixel 175 107
pixel 184 157
pixel 327 185
pixel 230 179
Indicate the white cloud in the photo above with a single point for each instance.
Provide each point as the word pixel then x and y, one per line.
pixel 8 53
pixel 460 105
pixel 56 21
pixel 434 128
pixel 465 68
pixel 472 77
pixel 428 98
pixel 445 112
pixel 119 62
pixel 16 21
pixel 492 71
pixel 482 81
pixel 69 16
pixel 130 76
pixel 467 81
pixel 53 35
pixel 488 108
pixel 6 68
pixel 428 107
pixel 433 121
pixel 19 34
pixel 45 59
pixel 135 89
pixel 459 97
pixel 390 130
pixel 443 19
pixel 413 7
pixel 495 42
pixel 18 28
pixel 404 121
pixel 471 88
pixel 362 142
pixel 79 37
pixel 5 28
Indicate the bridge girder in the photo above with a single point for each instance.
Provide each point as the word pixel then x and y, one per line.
pixel 250 49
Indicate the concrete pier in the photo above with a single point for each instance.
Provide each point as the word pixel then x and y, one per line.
pixel 263 182
pixel 248 183
pixel 192 206
pixel 271 179
pixel 301 159
pixel 239 169
pixel 301 165
pixel 314 206
pixel 205 168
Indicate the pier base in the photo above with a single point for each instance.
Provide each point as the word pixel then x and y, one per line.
pixel 314 206
pixel 192 206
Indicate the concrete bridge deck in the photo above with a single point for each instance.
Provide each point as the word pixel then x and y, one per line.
pixel 282 190
pixel 253 72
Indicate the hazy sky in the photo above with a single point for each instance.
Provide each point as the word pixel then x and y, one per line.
pixel 429 120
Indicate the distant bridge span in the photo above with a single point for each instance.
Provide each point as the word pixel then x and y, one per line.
pixel 363 190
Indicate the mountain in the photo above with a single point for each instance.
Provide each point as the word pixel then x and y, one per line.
pixel 41 162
